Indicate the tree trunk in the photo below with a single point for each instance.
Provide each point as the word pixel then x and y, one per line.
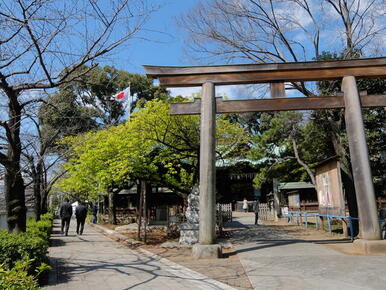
pixel 15 200
pixel 144 189
pixel 345 15
pixel 13 180
pixel 139 209
pixel 37 200
pixel 304 165
pixel 37 189
pixel 113 208
pixel 43 204
pixel 45 189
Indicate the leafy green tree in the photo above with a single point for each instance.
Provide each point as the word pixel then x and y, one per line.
pixel 43 45
pixel 153 145
pixel 284 143
pixel 97 88
pixel 82 105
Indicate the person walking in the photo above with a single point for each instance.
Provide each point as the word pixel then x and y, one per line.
pixel 256 210
pixel 80 214
pixel 245 205
pixel 94 213
pixel 65 215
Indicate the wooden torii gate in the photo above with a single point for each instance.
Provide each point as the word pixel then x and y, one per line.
pixel 276 74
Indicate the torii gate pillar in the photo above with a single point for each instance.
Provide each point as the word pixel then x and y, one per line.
pixel 207 165
pixel 207 247
pixel 369 226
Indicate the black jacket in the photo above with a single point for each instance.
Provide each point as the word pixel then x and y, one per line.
pixel 256 207
pixel 66 210
pixel 94 210
pixel 81 212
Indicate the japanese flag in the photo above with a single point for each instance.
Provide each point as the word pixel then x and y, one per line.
pixel 123 95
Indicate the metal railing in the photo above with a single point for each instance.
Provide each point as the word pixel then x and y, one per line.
pixel 347 219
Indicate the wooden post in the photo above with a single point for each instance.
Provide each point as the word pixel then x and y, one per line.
pixel 364 189
pixel 345 228
pixel 144 210
pixel 277 90
pixel 276 200
pixel 140 205
pixel 207 165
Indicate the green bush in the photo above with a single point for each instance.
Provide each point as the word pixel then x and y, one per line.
pixel 40 228
pixel 47 216
pixel 17 278
pixel 23 256
pixel 23 246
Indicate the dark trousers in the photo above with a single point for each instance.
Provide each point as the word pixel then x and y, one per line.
pixel 256 217
pixel 65 224
pixel 80 223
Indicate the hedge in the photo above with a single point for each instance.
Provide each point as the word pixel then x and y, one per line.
pixel 25 253
pixel 17 277
pixel 41 228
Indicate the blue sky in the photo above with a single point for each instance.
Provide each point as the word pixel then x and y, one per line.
pixel 164 44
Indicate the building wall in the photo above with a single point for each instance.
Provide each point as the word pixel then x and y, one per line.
pixel 3 218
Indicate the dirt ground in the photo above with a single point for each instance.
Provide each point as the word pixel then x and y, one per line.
pixel 229 269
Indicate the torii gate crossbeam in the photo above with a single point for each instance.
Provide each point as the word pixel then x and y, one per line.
pixel 276 74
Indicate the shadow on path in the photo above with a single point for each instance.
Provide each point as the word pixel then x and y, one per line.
pixel 92 259
pixel 243 234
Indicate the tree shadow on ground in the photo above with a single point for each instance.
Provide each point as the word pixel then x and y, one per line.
pixel 267 236
pixel 147 267
pixel 144 269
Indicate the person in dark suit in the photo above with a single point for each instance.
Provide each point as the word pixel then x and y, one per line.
pixel 80 214
pixel 65 215
pixel 256 210
pixel 94 213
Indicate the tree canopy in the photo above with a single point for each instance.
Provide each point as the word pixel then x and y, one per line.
pixel 152 145
pixel 44 45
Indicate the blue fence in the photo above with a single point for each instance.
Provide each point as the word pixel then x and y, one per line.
pixel 298 214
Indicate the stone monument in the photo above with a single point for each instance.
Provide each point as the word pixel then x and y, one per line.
pixel 189 230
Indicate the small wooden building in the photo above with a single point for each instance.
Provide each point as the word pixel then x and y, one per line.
pixel 329 187
pixel 298 196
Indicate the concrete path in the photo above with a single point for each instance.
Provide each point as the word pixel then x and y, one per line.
pixel 274 260
pixel 93 261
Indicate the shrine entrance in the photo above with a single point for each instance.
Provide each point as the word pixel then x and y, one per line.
pixel 276 74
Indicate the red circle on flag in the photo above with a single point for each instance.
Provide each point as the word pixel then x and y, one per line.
pixel 121 96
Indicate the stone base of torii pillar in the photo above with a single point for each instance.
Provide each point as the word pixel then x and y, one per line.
pixel 206 251
pixel 370 247
pixel 207 247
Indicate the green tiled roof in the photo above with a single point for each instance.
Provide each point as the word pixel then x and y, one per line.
pixel 235 161
pixel 295 185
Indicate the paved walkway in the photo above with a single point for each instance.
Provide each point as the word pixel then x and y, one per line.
pixel 92 261
pixel 274 260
